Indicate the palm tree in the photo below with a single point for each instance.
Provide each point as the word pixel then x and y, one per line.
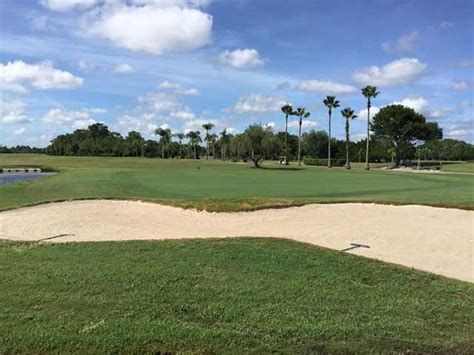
pixel 180 137
pixel 369 92
pixel 194 139
pixel 225 139
pixel 165 138
pixel 301 113
pixel 288 111
pixel 207 127
pixel 330 102
pixel 212 141
pixel 348 114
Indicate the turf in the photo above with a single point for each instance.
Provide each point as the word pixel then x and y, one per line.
pixel 218 186
pixel 223 296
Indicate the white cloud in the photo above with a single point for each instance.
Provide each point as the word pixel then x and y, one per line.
pixel 305 124
pixel 183 115
pixel 362 115
pixel 13 112
pixel 123 68
pixel 441 112
pixel 404 43
pixel 143 123
pixel 446 25
pixel 95 110
pixel 83 124
pixel 19 131
pixel 196 124
pixel 154 27
pixel 460 85
pixel 65 5
pixel 256 103
pixel 398 72
pixel 178 88
pixel 419 104
pixel 39 22
pixel 160 102
pixel 59 116
pixel 15 75
pixel 325 87
pixel 241 59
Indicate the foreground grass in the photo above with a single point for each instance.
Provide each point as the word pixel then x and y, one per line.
pixel 218 186
pixel 232 295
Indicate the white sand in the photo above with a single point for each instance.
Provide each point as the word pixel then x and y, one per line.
pixel 438 240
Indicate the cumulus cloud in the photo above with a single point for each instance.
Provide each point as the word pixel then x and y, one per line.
pixel 184 115
pixel 241 59
pixel 159 102
pixel 154 27
pixel 123 68
pixel 398 72
pixel 460 85
pixel 76 119
pixel 196 124
pixel 19 131
pixel 256 103
pixel 419 104
pixel 404 43
pixel 362 115
pixel 13 112
pixel 325 87
pixel 144 123
pixel 178 88
pixel 65 5
pixel 16 76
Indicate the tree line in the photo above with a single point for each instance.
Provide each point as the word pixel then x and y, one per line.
pixel 398 133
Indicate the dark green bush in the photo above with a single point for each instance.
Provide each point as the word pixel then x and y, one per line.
pixel 323 162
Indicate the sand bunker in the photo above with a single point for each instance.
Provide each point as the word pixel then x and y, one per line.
pixel 438 240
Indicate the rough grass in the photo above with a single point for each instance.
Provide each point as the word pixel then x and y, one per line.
pixel 218 186
pixel 241 295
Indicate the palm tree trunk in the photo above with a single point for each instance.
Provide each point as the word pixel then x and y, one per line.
pixel 299 144
pixel 367 167
pixel 286 140
pixel 194 150
pixel 348 164
pixel 329 141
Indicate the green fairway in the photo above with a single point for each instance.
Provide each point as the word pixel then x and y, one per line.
pixel 214 185
pixel 223 296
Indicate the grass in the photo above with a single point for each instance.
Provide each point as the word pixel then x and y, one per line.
pixel 218 186
pixel 242 295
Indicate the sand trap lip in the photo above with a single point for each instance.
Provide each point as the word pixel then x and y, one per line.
pixel 433 239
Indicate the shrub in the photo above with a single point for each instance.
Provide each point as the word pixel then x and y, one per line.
pixel 323 162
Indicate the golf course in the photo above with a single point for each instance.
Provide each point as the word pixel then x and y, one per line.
pixel 239 294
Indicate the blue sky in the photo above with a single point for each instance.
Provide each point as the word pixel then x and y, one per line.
pixel 142 64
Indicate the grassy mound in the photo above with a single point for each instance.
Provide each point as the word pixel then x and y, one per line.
pixel 232 295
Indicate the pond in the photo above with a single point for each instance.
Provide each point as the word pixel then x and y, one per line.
pixel 7 178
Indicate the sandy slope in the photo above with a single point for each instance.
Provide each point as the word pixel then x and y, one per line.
pixel 433 239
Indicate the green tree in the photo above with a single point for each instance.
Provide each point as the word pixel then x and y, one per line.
pixel 135 143
pixel 225 139
pixel 261 141
pixel 212 143
pixel 194 138
pixel 348 114
pixel 301 113
pixel 180 136
pixel 369 92
pixel 207 127
pixel 165 139
pixel 330 102
pixel 288 111
pixel 404 127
